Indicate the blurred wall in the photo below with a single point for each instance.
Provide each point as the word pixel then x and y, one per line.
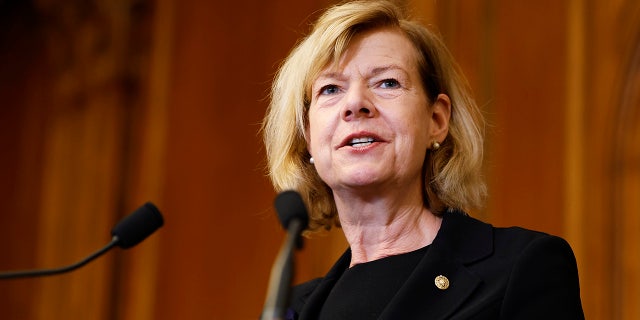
pixel 104 106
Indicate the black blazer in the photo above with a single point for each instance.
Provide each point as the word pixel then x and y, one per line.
pixel 493 273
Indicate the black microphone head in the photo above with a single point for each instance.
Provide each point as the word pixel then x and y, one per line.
pixel 138 225
pixel 290 206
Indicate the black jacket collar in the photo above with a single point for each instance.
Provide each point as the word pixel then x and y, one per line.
pixel 460 241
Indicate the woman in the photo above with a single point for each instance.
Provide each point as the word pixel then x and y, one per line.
pixel 373 125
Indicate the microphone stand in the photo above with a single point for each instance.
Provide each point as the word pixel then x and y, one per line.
pixel 282 274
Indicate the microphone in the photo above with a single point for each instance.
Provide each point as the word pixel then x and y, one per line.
pixel 127 233
pixel 137 226
pixel 291 212
pixel 294 218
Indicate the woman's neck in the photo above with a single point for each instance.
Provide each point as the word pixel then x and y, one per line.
pixel 380 227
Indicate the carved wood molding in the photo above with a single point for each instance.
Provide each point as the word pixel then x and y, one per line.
pixel 625 172
pixel 90 63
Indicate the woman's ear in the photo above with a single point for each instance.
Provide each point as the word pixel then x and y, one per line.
pixel 440 116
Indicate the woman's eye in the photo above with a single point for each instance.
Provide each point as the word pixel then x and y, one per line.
pixel 329 89
pixel 389 84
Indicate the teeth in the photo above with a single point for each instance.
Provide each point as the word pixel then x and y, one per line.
pixel 361 142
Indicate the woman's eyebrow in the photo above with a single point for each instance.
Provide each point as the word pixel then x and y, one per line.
pixel 382 69
pixel 330 75
pixel 375 71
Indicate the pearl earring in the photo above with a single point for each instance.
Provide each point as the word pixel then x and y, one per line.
pixel 435 145
pixel 311 160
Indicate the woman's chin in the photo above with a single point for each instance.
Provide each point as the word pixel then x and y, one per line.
pixel 360 180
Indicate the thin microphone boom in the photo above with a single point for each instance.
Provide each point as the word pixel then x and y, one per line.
pixel 49 272
pixel 127 233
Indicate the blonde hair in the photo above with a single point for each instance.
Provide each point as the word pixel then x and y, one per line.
pixel 453 170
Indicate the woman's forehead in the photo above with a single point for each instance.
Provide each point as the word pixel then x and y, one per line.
pixel 380 49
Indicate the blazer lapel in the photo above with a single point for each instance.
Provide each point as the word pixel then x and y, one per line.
pixel 460 240
pixel 420 298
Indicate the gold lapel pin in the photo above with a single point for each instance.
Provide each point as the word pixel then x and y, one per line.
pixel 442 282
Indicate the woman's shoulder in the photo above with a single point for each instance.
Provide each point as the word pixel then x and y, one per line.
pixel 520 240
pixel 514 239
pixel 540 264
pixel 472 240
pixel 534 274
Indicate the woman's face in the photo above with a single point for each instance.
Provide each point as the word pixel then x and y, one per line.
pixel 370 123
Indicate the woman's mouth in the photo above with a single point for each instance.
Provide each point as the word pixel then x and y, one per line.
pixel 361 142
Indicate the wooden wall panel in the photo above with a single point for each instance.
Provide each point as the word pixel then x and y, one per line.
pixel 66 89
pixel 627 181
pixel 221 235
pixel 168 110
pixel 612 122
pixel 79 195
pixel 137 275
pixel 528 115
pixel 19 176
pixel 607 259
pixel 561 154
pixel 20 143
pixel 513 54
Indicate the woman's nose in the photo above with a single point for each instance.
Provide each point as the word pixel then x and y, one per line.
pixel 358 104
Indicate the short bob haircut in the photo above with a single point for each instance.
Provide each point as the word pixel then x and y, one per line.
pixel 451 174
